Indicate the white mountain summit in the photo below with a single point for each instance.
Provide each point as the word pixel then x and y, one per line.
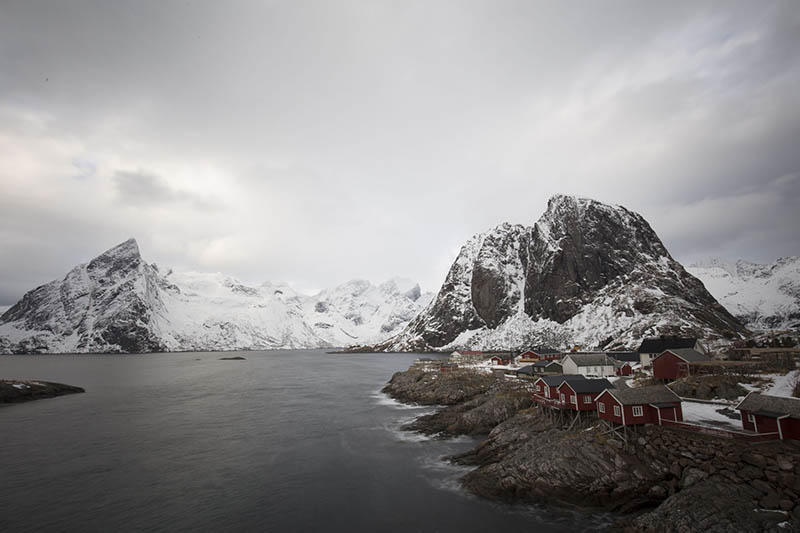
pixel 763 296
pixel 119 303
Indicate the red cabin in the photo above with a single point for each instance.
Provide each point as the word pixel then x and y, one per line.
pixel 643 405
pixel 673 364
pixel 546 388
pixel 762 413
pixel 580 395
pixel 624 369
pixel 500 360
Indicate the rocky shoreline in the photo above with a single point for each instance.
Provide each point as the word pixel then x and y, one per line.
pixel 659 480
pixel 26 391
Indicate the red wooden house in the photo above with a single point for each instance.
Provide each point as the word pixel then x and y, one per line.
pixel 771 414
pixel 540 354
pixel 642 405
pixel 580 395
pixel 500 360
pixel 676 363
pixel 546 388
pixel 624 369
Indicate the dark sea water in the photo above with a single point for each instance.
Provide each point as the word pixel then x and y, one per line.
pixel 284 441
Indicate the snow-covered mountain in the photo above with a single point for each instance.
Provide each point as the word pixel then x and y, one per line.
pixel 586 273
pixel 761 296
pixel 119 303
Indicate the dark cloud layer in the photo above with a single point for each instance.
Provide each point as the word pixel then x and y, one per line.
pixel 319 141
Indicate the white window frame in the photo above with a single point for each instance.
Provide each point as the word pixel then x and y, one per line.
pixel 751 418
pixel 617 412
pixel 601 407
pixel 638 410
pixel 587 399
pixel 563 398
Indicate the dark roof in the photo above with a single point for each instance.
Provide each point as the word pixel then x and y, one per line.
pixel 658 394
pixel 525 370
pixel 689 355
pixel 553 363
pixel 554 381
pixel 543 350
pixel 542 363
pixel 659 344
pixel 762 403
pixel 595 359
pixel 590 385
pixel 628 357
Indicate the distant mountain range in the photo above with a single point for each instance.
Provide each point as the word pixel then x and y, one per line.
pixel 587 273
pixel 762 296
pixel 119 303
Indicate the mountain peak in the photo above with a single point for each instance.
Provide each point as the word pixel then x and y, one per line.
pixel 127 248
pixel 586 271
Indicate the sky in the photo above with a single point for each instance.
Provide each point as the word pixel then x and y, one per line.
pixel 319 141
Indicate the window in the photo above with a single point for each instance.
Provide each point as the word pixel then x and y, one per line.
pixel 562 398
pixel 601 407
pixel 616 410
pixel 587 399
pixel 751 418
pixel 637 410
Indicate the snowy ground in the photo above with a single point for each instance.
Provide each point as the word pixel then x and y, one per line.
pixel 709 414
pixel 782 385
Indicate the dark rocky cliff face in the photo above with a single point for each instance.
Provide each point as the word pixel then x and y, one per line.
pixel 594 270
pixel 104 305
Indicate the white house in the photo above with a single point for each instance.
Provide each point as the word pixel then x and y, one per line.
pixel 590 364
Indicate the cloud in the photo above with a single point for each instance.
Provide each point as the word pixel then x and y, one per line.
pixel 315 142
pixel 144 189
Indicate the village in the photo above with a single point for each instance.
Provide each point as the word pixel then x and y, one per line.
pixel 669 381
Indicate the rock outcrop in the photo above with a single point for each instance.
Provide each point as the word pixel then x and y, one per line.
pixel 477 416
pixel 25 391
pixel 436 388
pixel 586 272
pixel 659 479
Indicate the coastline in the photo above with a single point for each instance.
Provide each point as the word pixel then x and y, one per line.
pixel 13 391
pixel 661 479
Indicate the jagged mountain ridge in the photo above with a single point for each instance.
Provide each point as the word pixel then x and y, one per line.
pixel 586 273
pixel 119 303
pixel 762 296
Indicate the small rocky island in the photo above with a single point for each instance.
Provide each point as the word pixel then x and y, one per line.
pixel 659 479
pixel 26 391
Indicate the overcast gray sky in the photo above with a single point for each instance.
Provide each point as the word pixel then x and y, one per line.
pixel 315 142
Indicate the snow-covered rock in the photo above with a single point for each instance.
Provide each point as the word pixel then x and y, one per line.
pixel 763 296
pixel 119 303
pixel 359 312
pixel 587 273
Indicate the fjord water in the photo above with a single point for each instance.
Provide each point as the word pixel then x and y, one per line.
pixel 282 441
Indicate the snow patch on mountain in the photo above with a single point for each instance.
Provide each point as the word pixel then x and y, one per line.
pixel 763 296
pixel 585 273
pixel 119 303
